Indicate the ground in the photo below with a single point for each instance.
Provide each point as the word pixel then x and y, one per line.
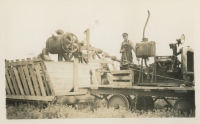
pixel 87 110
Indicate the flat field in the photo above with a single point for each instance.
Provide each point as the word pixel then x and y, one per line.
pixel 86 110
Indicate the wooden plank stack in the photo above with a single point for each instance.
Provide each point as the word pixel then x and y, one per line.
pixel 27 79
pixel 122 77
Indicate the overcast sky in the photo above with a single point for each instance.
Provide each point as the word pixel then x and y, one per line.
pixel 28 24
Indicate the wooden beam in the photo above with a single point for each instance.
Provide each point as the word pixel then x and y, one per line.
pixel 97 55
pixel 159 84
pixel 121 78
pixel 29 62
pixel 122 72
pixel 164 93
pixel 168 103
pixel 21 76
pixel 101 61
pixel 75 75
pixel 18 81
pixel 42 98
pixel 10 85
pixel 150 88
pixel 48 79
pixel 84 58
pixel 90 48
pixel 40 80
pixel 121 83
pixel 7 88
pixel 103 71
pixel 88 42
pixel 34 79
pixel 91 54
pixel 26 72
pixel 68 93
pixel 13 80
pixel 23 79
pixel 44 79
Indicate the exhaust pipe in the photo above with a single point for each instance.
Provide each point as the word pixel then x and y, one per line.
pixel 145 39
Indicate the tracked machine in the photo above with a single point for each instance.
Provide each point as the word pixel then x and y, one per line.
pixel 84 73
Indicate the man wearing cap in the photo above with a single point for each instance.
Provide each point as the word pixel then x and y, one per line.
pixel 126 48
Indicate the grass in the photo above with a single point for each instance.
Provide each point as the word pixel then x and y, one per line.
pixel 52 111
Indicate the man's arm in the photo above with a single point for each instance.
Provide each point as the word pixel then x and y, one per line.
pixel 121 49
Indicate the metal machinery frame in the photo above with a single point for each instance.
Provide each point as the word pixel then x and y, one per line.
pixel 46 79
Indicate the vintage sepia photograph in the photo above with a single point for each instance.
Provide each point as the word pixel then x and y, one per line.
pixel 99 59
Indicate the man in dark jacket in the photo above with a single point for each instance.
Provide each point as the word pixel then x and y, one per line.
pixel 126 49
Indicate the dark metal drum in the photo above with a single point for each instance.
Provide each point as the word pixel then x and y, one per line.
pixel 67 43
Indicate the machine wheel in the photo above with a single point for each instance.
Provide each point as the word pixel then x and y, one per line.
pixel 149 102
pixel 72 46
pixel 118 100
pixel 139 103
pixel 130 100
pixel 143 103
pixel 184 105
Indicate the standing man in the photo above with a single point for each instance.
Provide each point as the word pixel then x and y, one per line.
pixel 126 49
